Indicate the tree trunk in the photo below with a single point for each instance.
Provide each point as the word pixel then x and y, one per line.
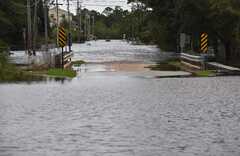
pixel 35 28
pixel 215 46
pixel 228 51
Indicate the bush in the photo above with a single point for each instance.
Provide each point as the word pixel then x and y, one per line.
pixel 3 47
pixel 8 72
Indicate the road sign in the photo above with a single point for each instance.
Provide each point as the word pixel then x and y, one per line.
pixel 204 42
pixel 62 37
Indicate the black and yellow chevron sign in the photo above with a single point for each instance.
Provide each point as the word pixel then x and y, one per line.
pixel 62 38
pixel 204 42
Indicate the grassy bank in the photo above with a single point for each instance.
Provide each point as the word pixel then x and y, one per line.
pixel 169 65
pixel 205 73
pixel 78 63
pixel 61 73
pixel 10 73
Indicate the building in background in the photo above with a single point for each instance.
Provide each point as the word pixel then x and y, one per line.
pixel 62 16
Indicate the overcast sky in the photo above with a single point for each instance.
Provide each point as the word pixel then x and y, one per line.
pixel 98 5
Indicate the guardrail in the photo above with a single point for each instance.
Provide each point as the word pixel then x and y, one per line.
pixel 193 61
pixel 67 58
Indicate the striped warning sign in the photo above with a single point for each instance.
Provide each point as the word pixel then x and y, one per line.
pixel 204 42
pixel 62 37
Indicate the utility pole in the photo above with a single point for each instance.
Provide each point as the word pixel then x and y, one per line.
pixel 57 21
pixel 46 24
pixel 35 29
pixel 69 28
pixel 93 25
pixel 25 40
pixel 85 27
pixel 79 8
pixel 48 55
pixel 29 21
pixel 89 26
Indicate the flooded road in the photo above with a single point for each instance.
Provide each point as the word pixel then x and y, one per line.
pixel 117 55
pixel 121 114
pixel 117 51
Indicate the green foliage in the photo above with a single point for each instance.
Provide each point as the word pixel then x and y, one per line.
pixel 13 20
pixel 219 18
pixel 3 45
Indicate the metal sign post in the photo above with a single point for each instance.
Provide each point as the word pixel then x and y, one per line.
pixel 182 41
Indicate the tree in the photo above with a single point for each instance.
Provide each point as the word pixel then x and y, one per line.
pixel 13 20
pixel 219 18
pixel 225 17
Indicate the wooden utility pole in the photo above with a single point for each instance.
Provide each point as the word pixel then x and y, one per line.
pixel 89 26
pixel 79 8
pixel 57 21
pixel 29 23
pixel 46 24
pixel 85 27
pixel 35 27
pixel 93 25
pixel 25 40
pixel 69 28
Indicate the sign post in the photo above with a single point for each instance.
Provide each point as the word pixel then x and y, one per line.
pixel 62 38
pixel 182 41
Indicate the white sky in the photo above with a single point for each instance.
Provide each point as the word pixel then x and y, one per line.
pixel 98 5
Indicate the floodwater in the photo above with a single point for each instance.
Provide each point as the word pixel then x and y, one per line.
pixel 106 113
pixel 117 51
pixel 117 55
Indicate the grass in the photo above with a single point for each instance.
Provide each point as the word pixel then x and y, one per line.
pixel 61 73
pixel 170 65
pixel 78 63
pixel 175 65
pixel 10 73
pixel 205 73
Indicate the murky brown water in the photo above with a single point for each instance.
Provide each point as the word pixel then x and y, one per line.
pixel 121 114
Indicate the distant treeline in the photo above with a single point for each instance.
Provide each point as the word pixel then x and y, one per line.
pixel 112 23
pixel 151 21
